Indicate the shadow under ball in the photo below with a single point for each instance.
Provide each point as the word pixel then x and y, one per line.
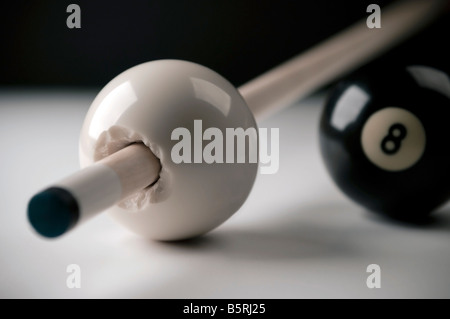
pixel 385 140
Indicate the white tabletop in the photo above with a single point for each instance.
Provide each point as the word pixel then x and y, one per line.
pixel 297 236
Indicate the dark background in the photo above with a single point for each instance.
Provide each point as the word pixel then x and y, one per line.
pixel 238 39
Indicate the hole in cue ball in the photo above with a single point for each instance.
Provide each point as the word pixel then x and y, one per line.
pixel 53 212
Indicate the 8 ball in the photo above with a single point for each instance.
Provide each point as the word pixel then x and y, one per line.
pixel 385 140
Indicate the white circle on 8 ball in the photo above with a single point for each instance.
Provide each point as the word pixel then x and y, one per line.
pixel 393 139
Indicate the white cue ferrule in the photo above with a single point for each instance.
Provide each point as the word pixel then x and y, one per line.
pixel 95 188
pixel 112 179
pixel 92 190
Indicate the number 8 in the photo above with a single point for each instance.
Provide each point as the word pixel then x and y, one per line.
pixel 391 143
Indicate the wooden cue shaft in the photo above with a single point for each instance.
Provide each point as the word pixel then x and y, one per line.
pixel 82 195
pixel 112 179
pixel 136 166
pixel 344 52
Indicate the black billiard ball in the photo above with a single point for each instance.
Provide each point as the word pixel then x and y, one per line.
pixel 385 140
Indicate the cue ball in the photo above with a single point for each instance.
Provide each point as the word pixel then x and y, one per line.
pixel 146 104
pixel 384 139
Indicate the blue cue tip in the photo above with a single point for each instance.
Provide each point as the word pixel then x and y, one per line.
pixel 53 212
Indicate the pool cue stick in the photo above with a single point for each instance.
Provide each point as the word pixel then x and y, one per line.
pixel 98 187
